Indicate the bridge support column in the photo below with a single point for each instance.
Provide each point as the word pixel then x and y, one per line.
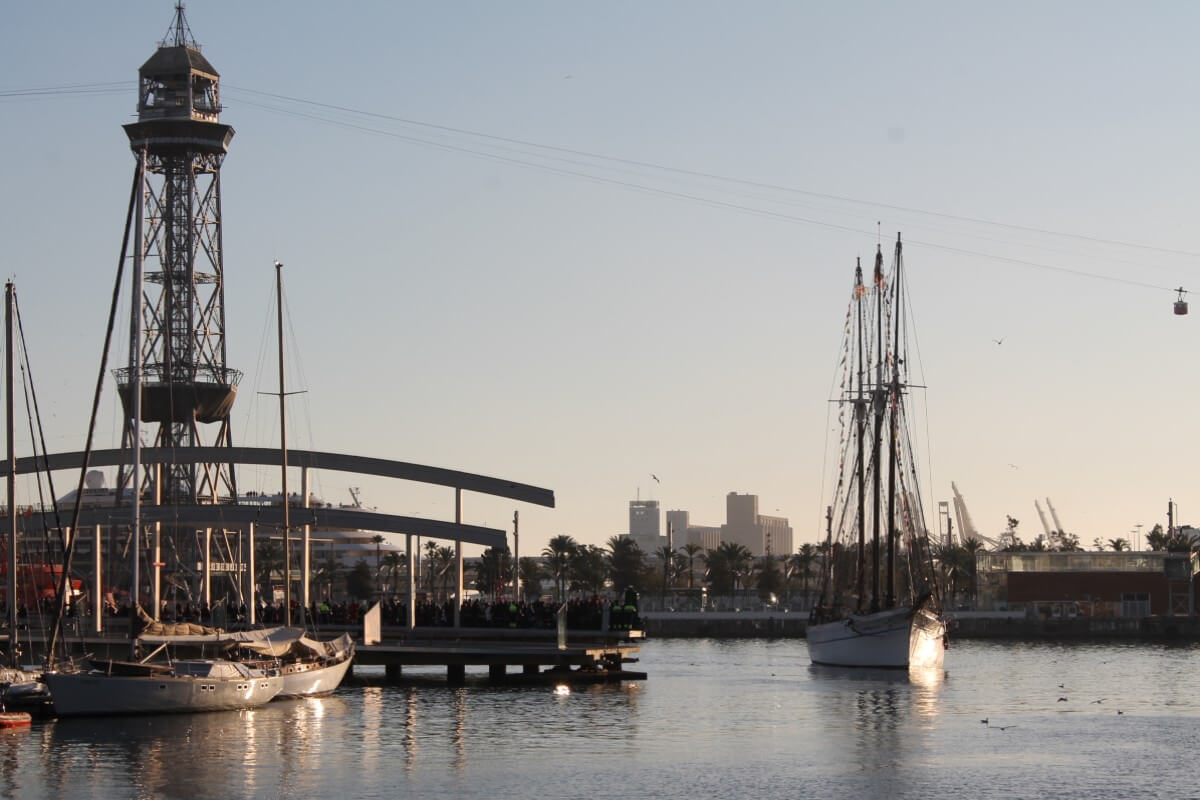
pixel 410 590
pixel 458 561
pixel 392 673
pixel 531 669
pixel 496 673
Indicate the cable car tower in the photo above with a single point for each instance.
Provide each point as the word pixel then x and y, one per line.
pixel 187 389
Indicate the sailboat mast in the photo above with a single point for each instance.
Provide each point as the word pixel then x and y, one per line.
pixel 287 545
pixel 135 378
pixel 897 310
pixel 879 409
pixel 11 587
pixel 860 417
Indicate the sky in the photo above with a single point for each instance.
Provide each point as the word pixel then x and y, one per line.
pixel 580 244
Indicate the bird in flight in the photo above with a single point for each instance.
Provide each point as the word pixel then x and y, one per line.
pixel 999 341
pixel 656 480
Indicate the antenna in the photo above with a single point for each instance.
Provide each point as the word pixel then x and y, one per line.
pixel 179 34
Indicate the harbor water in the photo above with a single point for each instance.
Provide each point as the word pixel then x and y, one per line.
pixel 719 719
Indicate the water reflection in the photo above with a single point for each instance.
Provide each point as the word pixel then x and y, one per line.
pixel 879 708
pixel 371 724
pixel 410 731
pixel 460 724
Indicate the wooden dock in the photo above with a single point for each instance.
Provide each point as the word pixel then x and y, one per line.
pixel 587 657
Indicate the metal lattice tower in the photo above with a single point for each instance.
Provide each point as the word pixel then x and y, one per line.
pixel 180 143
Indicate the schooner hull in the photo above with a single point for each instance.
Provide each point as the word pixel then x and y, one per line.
pixel 898 638
pixel 76 694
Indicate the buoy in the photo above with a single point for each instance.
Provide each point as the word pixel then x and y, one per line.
pixel 14 719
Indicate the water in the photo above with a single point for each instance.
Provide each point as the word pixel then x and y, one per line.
pixel 720 719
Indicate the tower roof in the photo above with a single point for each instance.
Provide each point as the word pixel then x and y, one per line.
pixel 176 59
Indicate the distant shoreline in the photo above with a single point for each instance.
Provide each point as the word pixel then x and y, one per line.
pixel 963 625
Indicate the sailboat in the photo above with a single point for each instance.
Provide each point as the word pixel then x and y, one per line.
pixel 307 667
pixel 879 605
pixel 141 686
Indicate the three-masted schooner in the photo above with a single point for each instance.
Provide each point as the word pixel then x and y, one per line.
pixel 879 605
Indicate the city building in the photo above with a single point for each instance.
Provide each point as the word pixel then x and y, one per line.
pixel 644 525
pixel 1087 583
pixel 758 533
pixel 683 532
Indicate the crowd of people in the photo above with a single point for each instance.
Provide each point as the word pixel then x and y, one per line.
pixel 594 613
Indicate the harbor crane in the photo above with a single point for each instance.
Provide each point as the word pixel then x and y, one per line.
pixel 1054 515
pixel 966 528
pixel 1042 516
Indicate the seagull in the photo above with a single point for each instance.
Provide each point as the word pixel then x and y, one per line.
pixel 984 721
pixel 999 341
pixel 656 480
pixel 1119 711
pixel 1062 699
pixel 1101 700
pixel 1001 727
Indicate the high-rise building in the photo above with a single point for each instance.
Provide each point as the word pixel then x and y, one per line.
pixel 645 525
pixel 757 533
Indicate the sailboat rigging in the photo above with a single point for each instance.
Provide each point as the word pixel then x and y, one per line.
pixel 140 687
pixel 895 619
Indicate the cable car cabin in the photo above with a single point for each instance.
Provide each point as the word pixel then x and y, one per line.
pixel 1181 304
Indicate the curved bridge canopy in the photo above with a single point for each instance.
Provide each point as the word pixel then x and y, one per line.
pixel 312 459
pixel 232 515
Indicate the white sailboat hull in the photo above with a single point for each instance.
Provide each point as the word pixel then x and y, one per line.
pixel 306 679
pixel 897 638
pixel 86 693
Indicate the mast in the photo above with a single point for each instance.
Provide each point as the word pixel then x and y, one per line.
pixel 11 565
pixel 860 416
pixel 287 545
pixel 135 380
pixel 897 310
pixel 827 578
pixel 879 409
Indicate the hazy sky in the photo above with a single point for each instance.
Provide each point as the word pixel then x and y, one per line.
pixel 574 244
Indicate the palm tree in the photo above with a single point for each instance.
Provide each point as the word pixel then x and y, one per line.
pixel 493 571
pixel 392 563
pixel 770 579
pixel 626 563
pixel 800 564
pixel 531 572
pixel 558 561
pixel 430 572
pixel 690 550
pixel 727 564
pixel 588 569
pixel 327 574
pixel 440 561
pixel 973 547
pixel 270 554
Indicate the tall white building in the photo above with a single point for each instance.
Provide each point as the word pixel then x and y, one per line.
pixel 645 525
pixel 758 533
